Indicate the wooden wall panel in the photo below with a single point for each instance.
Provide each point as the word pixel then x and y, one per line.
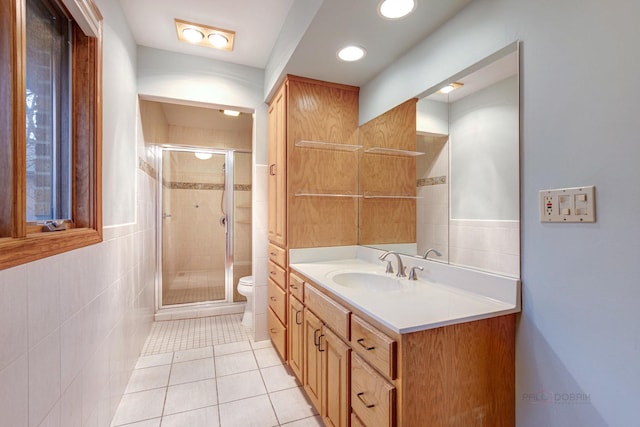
pixel 388 220
pixel 324 113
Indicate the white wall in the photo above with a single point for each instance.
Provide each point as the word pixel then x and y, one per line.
pixel 580 327
pixel 72 326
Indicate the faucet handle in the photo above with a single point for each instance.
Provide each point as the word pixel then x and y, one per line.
pixel 412 273
pixel 389 268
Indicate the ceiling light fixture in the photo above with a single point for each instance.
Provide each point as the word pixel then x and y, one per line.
pixel 351 53
pixel 396 9
pixel 218 40
pixel 450 87
pixel 202 155
pixel 231 113
pixel 204 35
pixel 192 35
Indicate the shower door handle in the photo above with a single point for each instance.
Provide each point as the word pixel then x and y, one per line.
pixel 223 221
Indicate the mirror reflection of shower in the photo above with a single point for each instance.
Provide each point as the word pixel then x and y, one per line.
pixel 205 201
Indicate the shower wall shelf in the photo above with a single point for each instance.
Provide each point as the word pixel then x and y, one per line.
pixel 392 152
pixel 332 146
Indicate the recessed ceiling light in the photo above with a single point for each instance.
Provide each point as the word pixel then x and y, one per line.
pixel 218 40
pixel 450 87
pixel 396 9
pixel 204 35
pixel 192 35
pixel 231 113
pixel 351 53
pixel 203 155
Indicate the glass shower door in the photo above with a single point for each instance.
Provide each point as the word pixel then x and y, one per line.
pixel 194 240
pixel 241 219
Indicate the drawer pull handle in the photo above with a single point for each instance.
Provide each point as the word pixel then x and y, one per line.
pixel 298 322
pixel 363 345
pixel 273 330
pixel 320 349
pixel 273 299
pixel 316 342
pixel 295 288
pixel 272 253
pixel 272 272
pixel 364 402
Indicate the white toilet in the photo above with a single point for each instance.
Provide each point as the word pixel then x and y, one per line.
pixel 245 287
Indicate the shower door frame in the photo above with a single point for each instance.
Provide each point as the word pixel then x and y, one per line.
pixel 228 201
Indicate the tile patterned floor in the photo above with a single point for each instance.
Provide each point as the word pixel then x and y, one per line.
pixel 234 382
pixel 186 334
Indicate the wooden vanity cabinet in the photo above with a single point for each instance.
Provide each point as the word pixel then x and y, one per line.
pixel 277 298
pixel 305 117
pixel 359 373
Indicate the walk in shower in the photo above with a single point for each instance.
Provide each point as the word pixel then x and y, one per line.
pixel 205 224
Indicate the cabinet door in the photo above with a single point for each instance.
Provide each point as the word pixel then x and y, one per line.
pixel 296 337
pixel 335 379
pixel 312 364
pixel 277 158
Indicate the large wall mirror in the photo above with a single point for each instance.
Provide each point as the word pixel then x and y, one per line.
pixel 452 185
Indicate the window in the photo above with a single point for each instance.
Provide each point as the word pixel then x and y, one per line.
pixel 50 128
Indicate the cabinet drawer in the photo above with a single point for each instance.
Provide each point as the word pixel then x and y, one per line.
pixel 355 421
pixel 296 286
pixel 374 346
pixel 277 274
pixel 330 312
pixel 278 255
pixel 277 299
pixel 278 333
pixel 373 399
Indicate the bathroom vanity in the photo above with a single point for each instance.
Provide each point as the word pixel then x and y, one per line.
pixel 375 350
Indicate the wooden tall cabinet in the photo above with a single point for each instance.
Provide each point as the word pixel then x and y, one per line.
pixel 312 185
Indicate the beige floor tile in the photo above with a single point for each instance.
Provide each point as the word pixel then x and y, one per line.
pixel 240 386
pixel 267 357
pixel 194 370
pixel 140 406
pixel 189 396
pixel 234 347
pixel 278 378
pixel 148 378
pixel 306 422
pixel 253 412
pixel 291 405
pixel 204 417
pixel 155 360
pixel 193 354
pixel 235 363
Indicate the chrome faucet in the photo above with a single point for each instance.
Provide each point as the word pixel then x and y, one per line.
pixel 400 272
pixel 426 254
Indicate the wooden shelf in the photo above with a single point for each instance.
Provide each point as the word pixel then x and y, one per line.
pixel 392 152
pixel 389 196
pixel 332 146
pixel 318 194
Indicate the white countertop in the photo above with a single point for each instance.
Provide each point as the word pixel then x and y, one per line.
pixel 416 305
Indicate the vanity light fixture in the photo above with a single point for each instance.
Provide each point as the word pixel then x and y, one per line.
pixel 451 87
pixel 232 113
pixel 203 156
pixel 351 53
pixel 204 35
pixel 396 9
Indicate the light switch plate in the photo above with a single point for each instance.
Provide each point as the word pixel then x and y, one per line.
pixel 577 204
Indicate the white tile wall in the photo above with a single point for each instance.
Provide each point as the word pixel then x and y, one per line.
pixel 72 326
pixel 488 245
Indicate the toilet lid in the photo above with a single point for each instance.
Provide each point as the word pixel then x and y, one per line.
pixel 246 280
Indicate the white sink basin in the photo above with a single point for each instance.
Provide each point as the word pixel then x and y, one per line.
pixel 368 281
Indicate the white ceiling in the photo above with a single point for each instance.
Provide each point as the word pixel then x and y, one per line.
pixel 258 22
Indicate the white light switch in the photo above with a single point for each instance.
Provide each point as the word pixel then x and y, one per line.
pixel 575 204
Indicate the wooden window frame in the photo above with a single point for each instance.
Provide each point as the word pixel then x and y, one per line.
pixel 21 243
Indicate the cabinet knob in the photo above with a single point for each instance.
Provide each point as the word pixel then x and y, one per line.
pixel 273 299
